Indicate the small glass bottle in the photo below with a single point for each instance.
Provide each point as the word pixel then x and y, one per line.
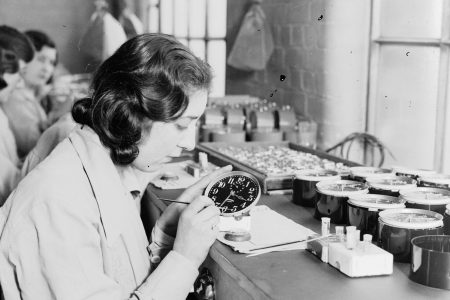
pixel 325 226
pixel 340 233
pixel 350 241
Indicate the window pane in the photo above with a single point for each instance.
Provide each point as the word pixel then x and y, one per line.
pixel 217 18
pixel 410 18
pixel 198 47
pixel 405 103
pixel 184 42
pixel 197 18
pixel 217 59
pixel 153 16
pixel 181 18
pixel 166 16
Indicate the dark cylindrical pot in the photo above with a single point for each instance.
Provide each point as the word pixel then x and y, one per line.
pixel 427 198
pixel 396 228
pixel 411 173
pixel 430 261
pixel 437 181
pixel 390 185
pixel 361 173
pixel 304 185
pixel 332 196
pixel 363 211
pixel 447 220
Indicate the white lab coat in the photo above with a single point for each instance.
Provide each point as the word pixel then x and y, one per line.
pixel 72 231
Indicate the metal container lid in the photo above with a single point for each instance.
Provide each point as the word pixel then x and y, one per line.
pixel 317 175
pixel 369 171
pixel 443 179
pixel 392 183
pixel 411 218
pixel 426 195
pixel 376 202
pixel 410 171
pixel 341 188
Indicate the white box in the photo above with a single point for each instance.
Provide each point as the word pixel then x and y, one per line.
pixel 365 259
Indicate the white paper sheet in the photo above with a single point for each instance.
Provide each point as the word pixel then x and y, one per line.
pixel 270 229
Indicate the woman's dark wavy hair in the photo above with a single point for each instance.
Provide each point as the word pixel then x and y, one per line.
pixel 17 42
pixel 149 78
pixel 41 39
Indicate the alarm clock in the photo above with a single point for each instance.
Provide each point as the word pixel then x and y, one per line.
pixel 234 193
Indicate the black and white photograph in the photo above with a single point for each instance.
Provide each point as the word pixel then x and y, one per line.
pixel 224 149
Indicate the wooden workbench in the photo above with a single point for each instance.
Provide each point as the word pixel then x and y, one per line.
pixel 293 274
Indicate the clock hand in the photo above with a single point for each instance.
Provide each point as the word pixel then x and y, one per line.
pixel 226 199
pixel 240 197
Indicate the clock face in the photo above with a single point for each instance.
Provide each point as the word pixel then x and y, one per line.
pixel 234 192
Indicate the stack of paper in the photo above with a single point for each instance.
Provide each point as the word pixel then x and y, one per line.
pixel 270 231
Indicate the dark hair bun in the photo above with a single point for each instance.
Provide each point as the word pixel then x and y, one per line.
pixel 82 112
pixel 124 155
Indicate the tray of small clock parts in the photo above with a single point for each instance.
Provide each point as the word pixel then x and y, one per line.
pixel 272 163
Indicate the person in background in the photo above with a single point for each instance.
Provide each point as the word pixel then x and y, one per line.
pixel 72 228
pixel 15 51
pixel 49 139
pixel 25 110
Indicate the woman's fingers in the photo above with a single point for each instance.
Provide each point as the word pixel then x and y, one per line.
pixel 208 213
pixel 199 204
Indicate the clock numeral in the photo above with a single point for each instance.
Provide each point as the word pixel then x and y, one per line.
pixel 240 179
pixel 234 208
pixel 231 180
pixel 214 198
pixel 223 209
pixel 215 191
pixel 243 205
pixel 221 184
pixel 251 190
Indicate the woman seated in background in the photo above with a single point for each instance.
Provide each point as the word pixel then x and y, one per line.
pixel 15 52
pixel 72 229
pixel 25 111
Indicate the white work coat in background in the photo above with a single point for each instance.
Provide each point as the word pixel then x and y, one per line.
pixel 9 161
pixel 72 231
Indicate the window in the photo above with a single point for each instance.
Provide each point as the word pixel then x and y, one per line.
pixel 199 24
pixel 408 88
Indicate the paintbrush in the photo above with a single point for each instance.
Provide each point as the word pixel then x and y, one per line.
pixel 174 201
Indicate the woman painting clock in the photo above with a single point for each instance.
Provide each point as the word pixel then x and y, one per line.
pixel 71 229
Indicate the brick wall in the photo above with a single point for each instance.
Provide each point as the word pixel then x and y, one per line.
pixel 322 48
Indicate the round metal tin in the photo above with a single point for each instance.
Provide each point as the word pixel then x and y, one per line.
pixel 412 173
pixel 304 185
pixel 363 211
pixel 433 199
pixel 390 185
pixel 447 220
pixel 436 181
pixel 430 261
pixel 396 228
pixel 341 187
pixel 361 173
pixel 332 196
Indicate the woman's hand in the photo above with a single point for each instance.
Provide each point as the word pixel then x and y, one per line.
pixel 168 222
pixel 197 230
